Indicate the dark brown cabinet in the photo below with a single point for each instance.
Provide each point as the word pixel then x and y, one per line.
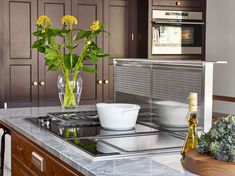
pixel 19 169
pixel 47 85
pixel 19 60
pixel 24 76
pixel 116 18
pixel 1 53
pixel 179 3
pixel 30 159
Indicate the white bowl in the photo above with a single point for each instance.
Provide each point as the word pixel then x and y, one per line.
pixel 171 113
pixel 117 116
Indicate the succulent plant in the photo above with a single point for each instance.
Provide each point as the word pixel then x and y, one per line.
pixel 219 142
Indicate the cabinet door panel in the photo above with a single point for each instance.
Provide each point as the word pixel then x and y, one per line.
pixel 87 11
pixel 1 56
pixel 20 61
pixel 55 9
pixel 116 20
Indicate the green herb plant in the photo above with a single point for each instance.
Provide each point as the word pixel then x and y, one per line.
pixel 219 142
pixel 61 55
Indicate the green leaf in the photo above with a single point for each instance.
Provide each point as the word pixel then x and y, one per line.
pixel 65 31
pixel 51 54
pixel 52 67
pixel 53 43
pixel 41 49
pixel 93 59
pixel 82 34
pixel 38 43
pixel 93 46
pixel 69 64
pixel 88 69
pixel 37 33
pixel 102 54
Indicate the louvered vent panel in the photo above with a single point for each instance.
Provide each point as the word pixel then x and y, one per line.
pixel 133 80
pixel 176 83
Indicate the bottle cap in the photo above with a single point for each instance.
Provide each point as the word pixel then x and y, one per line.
pixel 193 95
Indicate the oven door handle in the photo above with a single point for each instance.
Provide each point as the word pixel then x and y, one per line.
pixel 177 22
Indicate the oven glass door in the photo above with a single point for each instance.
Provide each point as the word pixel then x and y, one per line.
pixel 176 38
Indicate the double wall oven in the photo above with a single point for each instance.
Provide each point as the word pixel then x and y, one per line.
pixel 176 32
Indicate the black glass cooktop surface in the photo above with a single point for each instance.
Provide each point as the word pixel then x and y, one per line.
pixel 82 129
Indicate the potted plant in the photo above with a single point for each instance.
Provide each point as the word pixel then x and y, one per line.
pixel 215 152
pixel 219 142
pixel 58 46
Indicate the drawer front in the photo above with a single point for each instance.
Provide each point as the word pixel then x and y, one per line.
pixel 36 159
pixel 19 169
pixel 180 3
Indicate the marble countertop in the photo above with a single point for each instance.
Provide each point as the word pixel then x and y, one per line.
pixel 158 164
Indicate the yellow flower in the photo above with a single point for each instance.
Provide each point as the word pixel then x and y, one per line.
pixel 43 21
pixel 69 21
pixel 95 26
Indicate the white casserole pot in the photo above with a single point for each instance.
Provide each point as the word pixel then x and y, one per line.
pixel 171 113
pixel 117 116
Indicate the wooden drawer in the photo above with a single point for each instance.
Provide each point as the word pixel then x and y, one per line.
pixel 179 3
pixel 19 169
pixel 30 155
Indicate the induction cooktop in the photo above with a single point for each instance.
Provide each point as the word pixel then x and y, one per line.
pixel 82 129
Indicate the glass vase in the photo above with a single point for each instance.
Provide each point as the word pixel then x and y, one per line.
pixel 69 90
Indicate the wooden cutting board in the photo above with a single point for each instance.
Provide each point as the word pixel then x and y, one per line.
pixel 205 165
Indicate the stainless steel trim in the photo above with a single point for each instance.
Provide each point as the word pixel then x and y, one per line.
pixel 141 61
pixel 208 96
pixel 177 22
pixel 5 105
pixel 131 154
pixel 132 36
pixel 133 65
pixel 159 49
pixel 176 15
pixel 38 161
pixel 170 66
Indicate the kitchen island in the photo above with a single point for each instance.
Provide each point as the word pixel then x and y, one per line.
pixel 158 164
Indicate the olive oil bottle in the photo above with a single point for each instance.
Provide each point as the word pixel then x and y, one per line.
pixel 192 136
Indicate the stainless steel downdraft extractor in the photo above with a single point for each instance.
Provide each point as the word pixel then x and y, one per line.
pixel 152 83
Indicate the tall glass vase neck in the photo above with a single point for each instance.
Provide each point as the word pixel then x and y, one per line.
pixel 69 90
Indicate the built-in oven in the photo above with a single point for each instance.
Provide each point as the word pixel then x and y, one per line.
pixel 176 32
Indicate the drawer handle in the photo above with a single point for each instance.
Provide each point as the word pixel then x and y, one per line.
pixel 20 148
pixel 106 81
pixel 41 83
pixel 38 161
pixel 177 3
pixel 99 82
pixel 34 83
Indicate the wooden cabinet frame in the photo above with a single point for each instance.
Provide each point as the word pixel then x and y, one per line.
pixel 22 65
pixel 1 55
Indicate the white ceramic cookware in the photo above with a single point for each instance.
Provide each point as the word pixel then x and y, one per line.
pixel 117 116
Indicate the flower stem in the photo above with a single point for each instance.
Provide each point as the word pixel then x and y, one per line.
pixel 69 96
